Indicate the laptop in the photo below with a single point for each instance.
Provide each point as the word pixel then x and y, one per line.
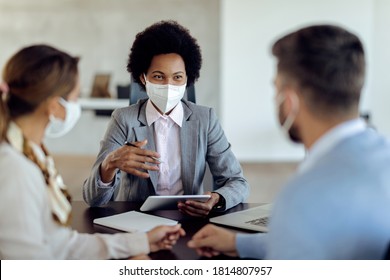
pixel 255 218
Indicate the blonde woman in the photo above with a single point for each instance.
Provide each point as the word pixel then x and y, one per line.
pixel 39 97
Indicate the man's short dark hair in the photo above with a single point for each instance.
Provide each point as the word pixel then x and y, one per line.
pixel 164 37
pixel 327 64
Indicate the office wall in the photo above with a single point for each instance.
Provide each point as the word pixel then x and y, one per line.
pixel 101 33
pixel 380 67
pixel 248 29
pixel 235 35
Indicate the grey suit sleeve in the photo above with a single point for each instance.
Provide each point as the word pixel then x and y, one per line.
pixel 226 170
pixel 96 194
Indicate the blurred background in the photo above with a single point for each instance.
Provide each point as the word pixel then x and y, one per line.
pixel 237 74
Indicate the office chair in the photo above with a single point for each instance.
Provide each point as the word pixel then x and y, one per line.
pixel 123 92
pixel 137 92
pixel 387 255
pixel 190 94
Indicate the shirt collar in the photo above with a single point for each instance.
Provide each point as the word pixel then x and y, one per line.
pixel 153 115
pixel 330 140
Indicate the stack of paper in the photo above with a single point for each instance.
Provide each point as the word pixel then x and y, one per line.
pixel 133 221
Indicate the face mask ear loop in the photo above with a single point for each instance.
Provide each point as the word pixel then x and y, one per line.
pixel 64 104
pixel 294 112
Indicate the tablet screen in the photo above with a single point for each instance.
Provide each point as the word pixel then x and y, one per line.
pixel 169 202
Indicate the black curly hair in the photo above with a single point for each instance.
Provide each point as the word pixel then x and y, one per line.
pixel 162 38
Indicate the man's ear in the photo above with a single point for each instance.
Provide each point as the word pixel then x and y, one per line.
pixel 292 100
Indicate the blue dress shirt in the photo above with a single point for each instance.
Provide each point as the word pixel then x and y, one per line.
pixel 337 206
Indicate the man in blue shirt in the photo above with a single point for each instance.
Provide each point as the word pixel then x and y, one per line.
pixel 337 206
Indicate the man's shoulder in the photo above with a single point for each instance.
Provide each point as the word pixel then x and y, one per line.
pixel 356 159
pixel 366 147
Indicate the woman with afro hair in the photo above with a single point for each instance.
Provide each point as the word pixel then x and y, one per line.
pixel 169 139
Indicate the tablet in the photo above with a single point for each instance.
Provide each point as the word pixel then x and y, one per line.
pixel 168 202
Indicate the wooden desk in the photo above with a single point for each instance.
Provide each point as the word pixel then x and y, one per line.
pixel 83 217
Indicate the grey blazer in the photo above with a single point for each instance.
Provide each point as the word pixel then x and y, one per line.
pixel 202 140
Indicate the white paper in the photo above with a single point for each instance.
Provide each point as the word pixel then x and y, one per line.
pixel 133 221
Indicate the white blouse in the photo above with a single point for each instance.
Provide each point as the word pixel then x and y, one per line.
pixel 28 230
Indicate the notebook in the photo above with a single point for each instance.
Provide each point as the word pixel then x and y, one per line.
pixel 255 218
pixel 133 221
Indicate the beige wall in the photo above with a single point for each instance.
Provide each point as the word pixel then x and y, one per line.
pixel 248 29
pixel 235 36
pixel 101 32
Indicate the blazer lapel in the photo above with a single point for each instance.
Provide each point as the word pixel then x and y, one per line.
pixel 146 132
pixel 189 148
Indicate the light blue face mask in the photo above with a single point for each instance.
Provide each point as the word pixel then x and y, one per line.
pixel 58 127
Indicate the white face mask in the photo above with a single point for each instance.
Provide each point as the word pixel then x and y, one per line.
pixel 59 127
pixel 289 120
pixel 164 97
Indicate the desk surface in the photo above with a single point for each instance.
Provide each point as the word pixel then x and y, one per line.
pixel 83 217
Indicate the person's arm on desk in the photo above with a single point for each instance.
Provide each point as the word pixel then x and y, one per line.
pixel 164 237
pixel 211 241
pixel 161 238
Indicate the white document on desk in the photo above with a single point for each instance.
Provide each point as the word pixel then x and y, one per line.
pixel 133 221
